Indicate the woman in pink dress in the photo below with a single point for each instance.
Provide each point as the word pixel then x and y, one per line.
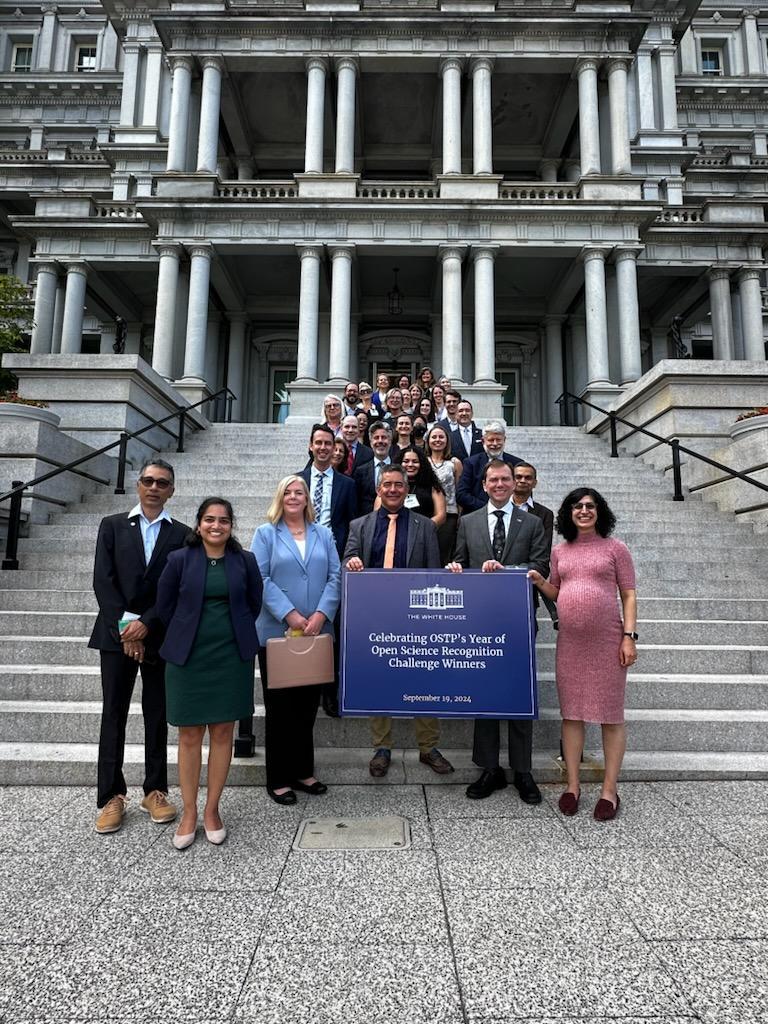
pixel 595 640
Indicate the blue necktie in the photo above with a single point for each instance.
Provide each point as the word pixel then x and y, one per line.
pixel 317 500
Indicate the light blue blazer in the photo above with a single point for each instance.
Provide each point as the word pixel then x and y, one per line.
pixel 310 584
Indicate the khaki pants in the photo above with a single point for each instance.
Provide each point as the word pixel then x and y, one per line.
pixel 427 732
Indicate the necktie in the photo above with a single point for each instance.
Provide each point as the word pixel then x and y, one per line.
pixel 350 461
pixel 379 467
pixel 317 500
pixel 389 547
pixel 467 441
pixel 499 535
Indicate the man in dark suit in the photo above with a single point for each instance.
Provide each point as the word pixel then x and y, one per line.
pixel 359 453
pixel 395 538
pixel 524 475
pixel 470 492
pixel 131 551
pixel 489 539
pixel 332 494
pixel 466 437
pixel 366 476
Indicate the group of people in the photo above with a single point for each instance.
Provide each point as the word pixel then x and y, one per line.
pixel 192 610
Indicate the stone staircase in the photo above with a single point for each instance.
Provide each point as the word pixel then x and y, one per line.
pixel 697 702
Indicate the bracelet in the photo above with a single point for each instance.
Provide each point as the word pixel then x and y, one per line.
pixel 632 636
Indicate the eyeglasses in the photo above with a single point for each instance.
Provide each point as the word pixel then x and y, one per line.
pixel 161 483
pixel 365 391
pixel 586 506
pixel 333 405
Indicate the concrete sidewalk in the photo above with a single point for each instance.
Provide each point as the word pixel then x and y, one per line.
pixel 499 912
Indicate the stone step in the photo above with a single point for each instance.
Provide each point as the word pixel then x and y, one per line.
pixel 47 600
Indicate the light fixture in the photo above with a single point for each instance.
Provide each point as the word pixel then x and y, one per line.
pixel 395 297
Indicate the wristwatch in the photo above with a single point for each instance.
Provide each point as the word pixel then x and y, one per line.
pixel 632 636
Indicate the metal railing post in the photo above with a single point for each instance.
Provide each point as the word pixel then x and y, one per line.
pixel 560 402
pixel 182 424
pixel 11 560
pixel 678 480
pixel 614 444
pixel 121 456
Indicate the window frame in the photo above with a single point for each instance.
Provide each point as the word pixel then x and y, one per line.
pixel 79 48
pixel 14 56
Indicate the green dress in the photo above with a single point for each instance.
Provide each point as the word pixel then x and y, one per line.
pixel 215 685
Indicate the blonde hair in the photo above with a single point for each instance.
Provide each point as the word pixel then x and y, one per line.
pixel 275 510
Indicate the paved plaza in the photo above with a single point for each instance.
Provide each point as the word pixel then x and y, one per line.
pixel 499 912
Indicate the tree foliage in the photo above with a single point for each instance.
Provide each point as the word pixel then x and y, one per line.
pixel 15 322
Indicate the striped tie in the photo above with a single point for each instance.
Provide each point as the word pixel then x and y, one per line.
pixel 317 499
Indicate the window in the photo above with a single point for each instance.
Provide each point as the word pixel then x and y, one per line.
pixel 85 59
pixel 22 58
pixel 280 402
pixel 510 380
pixel 712 60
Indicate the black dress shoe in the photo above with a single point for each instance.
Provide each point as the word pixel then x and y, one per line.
pixel 331 705
pixel 489 781
pixel 286 799
pixel 527 788
pixel 316 789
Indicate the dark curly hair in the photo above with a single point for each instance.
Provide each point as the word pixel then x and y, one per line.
pixel 565 525
pixel 195 540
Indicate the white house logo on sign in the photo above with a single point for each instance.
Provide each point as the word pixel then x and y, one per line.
pixel 436 598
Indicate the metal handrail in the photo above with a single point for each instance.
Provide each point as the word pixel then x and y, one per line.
pixel 674 444
pixel 18 487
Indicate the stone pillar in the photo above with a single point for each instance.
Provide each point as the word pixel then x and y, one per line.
pixel 244 168
pixel 309 312
pixel 45 303
pixel 212 334
pixel 645 93
pixel 153 70
pixel 210 109
pixel 751 314
pixel 182 311
pixel 665 55
pixel 597 321
pixel 579 353
pixel 629 315
pixel 323 347
pixel 46 39
pixel 451 257
pixel 482 122
pixel 621 161
pixel 197 312
pixel 341 309
pixel 589 120
pixel 553 343
pixel 58 315
pixel 720 305
pixel 738 335
pixel 548 170
pixel 165 309
pixel 346 80
pixel 485 320
pixel 354 352
pixel 130 93
pixel 74 301
pixel 313 153
pixel 571 170
pixel 436 357
pixel 751 39
pixel 450 70
pixel 236 364
pixel 688 63
pixel 178 132
pixel 612 320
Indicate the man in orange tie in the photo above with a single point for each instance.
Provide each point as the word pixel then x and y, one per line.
pixel 393 537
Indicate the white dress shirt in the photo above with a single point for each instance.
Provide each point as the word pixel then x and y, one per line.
pixel 493 518
pixel 149 530
pixel 527 504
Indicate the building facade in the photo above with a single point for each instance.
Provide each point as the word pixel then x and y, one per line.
pixel 527 196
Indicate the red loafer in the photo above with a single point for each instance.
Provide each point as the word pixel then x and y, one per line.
pixel 568 804
pixel 605 810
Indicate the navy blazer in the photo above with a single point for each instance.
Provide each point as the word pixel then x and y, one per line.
pixel 469 491
pixel 458 448
pixel 343 505
pixel 181 592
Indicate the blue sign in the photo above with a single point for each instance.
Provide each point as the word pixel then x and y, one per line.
pixel 432 642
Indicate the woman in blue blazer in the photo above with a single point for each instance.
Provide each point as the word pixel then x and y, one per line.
pixel 208 596
pixel 300 567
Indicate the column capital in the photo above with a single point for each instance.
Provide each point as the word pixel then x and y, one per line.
pixel 236 316
pixel 200 249
pixel 451 64
pixel 719 273
pixel 47 267
pixel 350 63
pixel 617 64
pixel 181 60
pixel 482 251
pixel 343 250
pixel 309 250
pixel 455 252
pixel 587 64
pixel 77 268
pixel 593 252
pixel 481 64
pixel 748 274
pixel 626 252
pixel 212 60
pixel 168 249
pixel 319 63
pixel 554 318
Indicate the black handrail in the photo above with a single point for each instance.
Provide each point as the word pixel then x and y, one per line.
pixel 18 487
pixel 674 444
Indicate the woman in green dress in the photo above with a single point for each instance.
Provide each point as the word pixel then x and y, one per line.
pixel 208 596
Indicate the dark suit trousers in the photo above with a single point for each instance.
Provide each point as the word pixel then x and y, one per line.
pixel 118 677
pixel 289 720
pixel 487 743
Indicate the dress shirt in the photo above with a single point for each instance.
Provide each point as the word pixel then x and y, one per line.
pixel 378 465
pixel 325 508
pixel 526 505
pixel 379 541
pixel 149 530
pixel 493 518
pixel 466 437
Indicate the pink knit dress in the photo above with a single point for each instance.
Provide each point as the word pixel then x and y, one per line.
pixel 590 680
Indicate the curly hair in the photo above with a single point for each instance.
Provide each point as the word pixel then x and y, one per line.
pixel 565 525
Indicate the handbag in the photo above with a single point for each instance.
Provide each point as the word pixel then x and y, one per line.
pixel 299 661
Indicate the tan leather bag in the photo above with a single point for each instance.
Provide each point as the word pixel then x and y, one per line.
pixel 299 661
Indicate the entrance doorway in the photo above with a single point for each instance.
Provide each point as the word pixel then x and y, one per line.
pixel 393 371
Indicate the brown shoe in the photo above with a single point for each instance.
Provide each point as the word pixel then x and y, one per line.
pixel 110 818
pixel 436 762
pixel 379 763
pixel 158 807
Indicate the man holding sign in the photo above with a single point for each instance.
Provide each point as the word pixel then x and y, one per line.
pixel 495 536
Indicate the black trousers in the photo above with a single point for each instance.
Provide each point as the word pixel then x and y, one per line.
pixel 487 743
pixel 290 715
pixel 446 537
pixel 118 677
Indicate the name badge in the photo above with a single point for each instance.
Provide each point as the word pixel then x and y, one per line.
pixel 411 501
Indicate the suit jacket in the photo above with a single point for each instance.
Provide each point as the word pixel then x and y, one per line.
pixel 458 448
pixel 365 482
pixel 469 491
pixel 363 455
pixel 181 593
pixel 525 544
pixel 122 581
pixel 343 505
pixel 547 521
pixel 309 584
pixel 422 553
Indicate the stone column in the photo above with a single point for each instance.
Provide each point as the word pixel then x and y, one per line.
pixel 346 81
pixel 313 153
pixel 482 123
pixel 621 161
pixel 178 131
pixel 153 70
pixel 130 92
pixel 212 335
pixel 309 312
pixel 589 120
pixel 597 320
pixel 74 301
pixel 645 93
pixel 197 312
pixel 553 343
pixel 451 257
pixel 665 55
pixel 450 70
pixel 165 309
pixel 236 364
pixel 210 109
pixel 341 309
pixel 58 315
pixel 244 168
pixel 751 314
pixel 751 39
pixel 45 303
pixel 579 353
pixel 629 315
pixel 47 37
pixel 485 319
pixel 720 305
pixel 548 170
pixel 182 312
